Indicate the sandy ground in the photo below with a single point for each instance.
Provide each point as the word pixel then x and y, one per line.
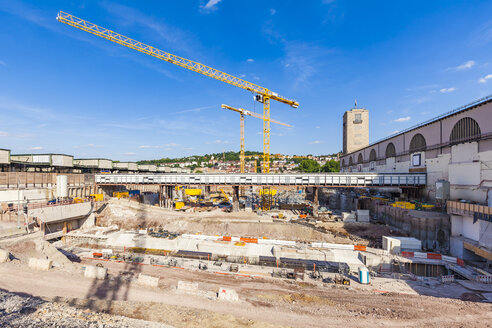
pixel 263 302
pixel 129 215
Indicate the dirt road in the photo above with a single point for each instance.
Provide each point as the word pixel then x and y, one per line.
pixel 264 302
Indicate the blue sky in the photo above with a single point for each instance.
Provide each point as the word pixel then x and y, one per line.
pixel 65 91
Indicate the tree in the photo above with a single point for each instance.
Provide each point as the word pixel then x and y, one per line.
pixel 309 166
pixel 331 166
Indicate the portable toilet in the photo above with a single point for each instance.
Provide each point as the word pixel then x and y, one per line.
pixel 363 275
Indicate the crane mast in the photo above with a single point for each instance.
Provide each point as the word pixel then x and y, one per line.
pixel 243 112
pixel 262 94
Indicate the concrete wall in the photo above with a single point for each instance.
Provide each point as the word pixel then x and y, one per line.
pixel 62 160
pixel 4 156
pixel 60 213
pixel 433 229
pixel 33 195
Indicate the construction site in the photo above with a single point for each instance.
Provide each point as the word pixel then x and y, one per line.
pixel 400 237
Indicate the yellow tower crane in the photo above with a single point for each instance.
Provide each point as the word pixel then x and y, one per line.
pixel 243 112
pixel 262 94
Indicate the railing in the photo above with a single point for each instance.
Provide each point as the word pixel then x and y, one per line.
pixel 321 180
pixel 460 208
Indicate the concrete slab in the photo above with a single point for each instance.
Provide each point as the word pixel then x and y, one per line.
pixel 471 285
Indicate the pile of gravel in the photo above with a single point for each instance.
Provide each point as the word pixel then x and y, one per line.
pixel 18 310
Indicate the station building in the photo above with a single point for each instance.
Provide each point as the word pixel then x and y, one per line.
pixel 455 150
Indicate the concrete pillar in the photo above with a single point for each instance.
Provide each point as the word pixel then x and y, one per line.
pixel 315 202
pixel 235 199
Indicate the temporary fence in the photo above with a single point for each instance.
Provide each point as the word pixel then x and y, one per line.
pixel 433 256
pixel 484 279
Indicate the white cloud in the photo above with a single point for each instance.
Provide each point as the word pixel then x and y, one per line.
pixel 211 5
pixel 36 148
pixel 316 142
pixel 197 109
pixel 4 134
pixel 242 75
pixel 149 147
pixel 129 154
pixel 219 141
pixel 272 11
pixel 394 132
pixel 317 127
pixel 250 60
pixel 485 78
pixel 466 65
pixel 170 145
pixel 3 63
pixel 402 119
pixel 447 90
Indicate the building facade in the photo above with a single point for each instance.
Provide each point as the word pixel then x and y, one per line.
pixel 456 148
pixel 355 129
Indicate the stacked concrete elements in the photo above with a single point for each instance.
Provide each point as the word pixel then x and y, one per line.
pixel 355 129
pixel 396 245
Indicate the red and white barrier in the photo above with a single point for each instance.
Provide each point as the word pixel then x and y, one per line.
pixel 484 279
pixel 433 256
pixel 447 278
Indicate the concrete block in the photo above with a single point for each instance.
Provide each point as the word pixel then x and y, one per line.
pixel 363 216
pixel 39 264
pixel 146 280
pixel 4 256
pixel 94 272
pixel 348 217
pixel 187 286
pixel 227 294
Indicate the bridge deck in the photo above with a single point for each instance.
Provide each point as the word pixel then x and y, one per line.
pixel 321 180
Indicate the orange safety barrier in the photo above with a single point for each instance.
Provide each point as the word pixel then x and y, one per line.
pixel 460 262
pixel 249 240
pixel 407 254
pixel 97 254
pixel 434 256
pixel 359 248
pixel 224 238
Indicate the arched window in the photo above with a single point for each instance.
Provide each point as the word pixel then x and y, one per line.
pixel 343 162
pixel 372 155
pixel 390 150
pixel 360 159
pixel 417 143
pixel 466 129
pixel 350 161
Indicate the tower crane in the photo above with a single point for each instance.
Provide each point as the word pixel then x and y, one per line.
pixel 243 112
pixel 261 94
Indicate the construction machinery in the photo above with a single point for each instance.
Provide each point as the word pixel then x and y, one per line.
pixel 261 94
pixel 225 196
pixel 243 112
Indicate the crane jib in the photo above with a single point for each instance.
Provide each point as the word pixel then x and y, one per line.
pixel 180 61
